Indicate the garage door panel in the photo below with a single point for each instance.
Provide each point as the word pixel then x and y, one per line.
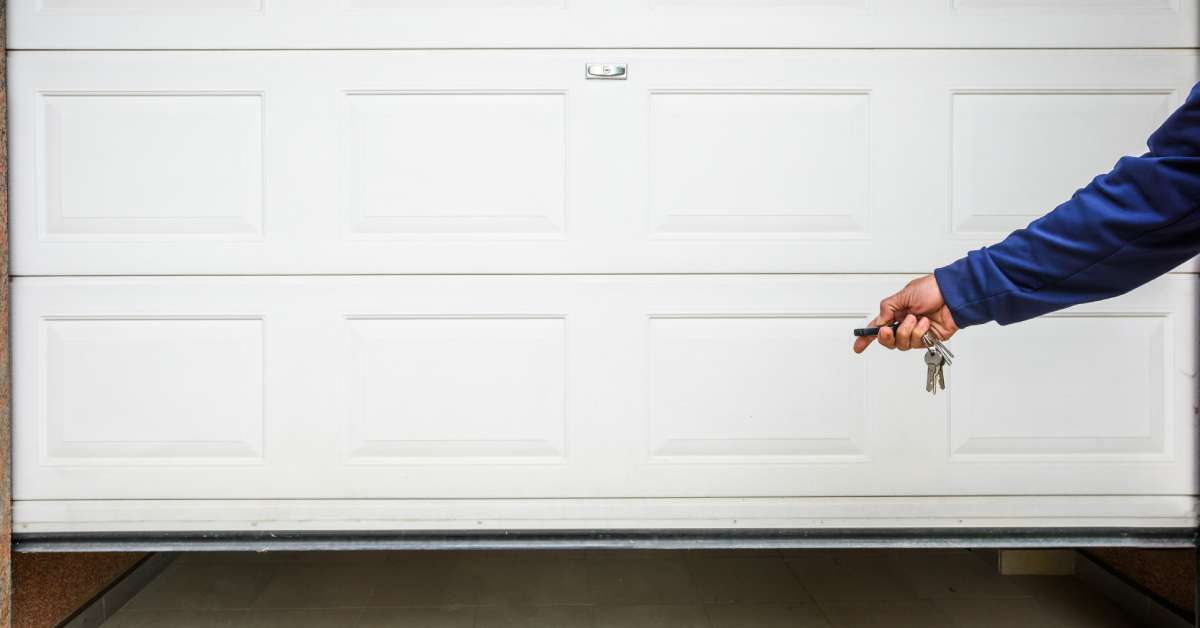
pixel 306 24
pixel 483 163
pixel 397 6
pixel 768 162
pixel 113 165
pixel 607 386
pixel 755 389
pixel 1051 142
pixel 1121 412
pixel 151 391
pixel 512 162
pixel 150 7
pixel 463 389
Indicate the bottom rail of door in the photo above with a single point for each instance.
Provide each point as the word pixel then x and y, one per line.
pixel 823 538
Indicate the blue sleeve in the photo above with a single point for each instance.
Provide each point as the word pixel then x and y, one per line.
pixel 1126 227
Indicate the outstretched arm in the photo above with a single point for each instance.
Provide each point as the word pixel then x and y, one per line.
pixel 1123 229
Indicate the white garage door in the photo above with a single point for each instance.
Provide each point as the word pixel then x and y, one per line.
pixel 400 264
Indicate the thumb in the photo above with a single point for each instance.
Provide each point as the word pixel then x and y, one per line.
pixel 889 308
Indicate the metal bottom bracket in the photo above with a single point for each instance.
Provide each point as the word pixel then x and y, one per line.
pixel 822 538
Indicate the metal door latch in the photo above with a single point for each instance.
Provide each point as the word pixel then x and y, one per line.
pixel 610 71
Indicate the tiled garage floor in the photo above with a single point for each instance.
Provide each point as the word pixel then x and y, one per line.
pixel 621 589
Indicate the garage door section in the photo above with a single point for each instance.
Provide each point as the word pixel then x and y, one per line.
pixel 308 24
pixel 132 163
pixel 376 264
pixel 511 387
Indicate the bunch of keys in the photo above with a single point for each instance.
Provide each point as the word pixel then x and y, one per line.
pixel 937 356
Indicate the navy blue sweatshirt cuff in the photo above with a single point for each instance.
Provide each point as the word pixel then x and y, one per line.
pixel 962 295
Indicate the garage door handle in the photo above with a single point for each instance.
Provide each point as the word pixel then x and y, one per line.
pixel 610 71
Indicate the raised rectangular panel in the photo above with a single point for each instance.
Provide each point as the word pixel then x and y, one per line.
pixel 491 164
pixel 149 7
pixel 151 390
pixel 1105 399
pixel 151 165
pixel 1069 5
pixel 760 4
pixel 755 389
pixel 457 389
pixel 485 5
pixel 1017 155
pixel 768 163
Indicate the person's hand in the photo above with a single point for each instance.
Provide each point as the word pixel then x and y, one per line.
pixel 919 307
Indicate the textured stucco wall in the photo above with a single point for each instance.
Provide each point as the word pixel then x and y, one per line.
pixel 1169 574
pixel 5 405
pixel 48 588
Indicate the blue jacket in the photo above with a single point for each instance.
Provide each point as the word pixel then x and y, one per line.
pixel 1126 227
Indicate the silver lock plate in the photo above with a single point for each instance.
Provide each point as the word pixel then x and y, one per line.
pixel 609 71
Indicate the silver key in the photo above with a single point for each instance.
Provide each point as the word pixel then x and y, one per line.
pixel 937 357
pixel 933 365
pixel 934 378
